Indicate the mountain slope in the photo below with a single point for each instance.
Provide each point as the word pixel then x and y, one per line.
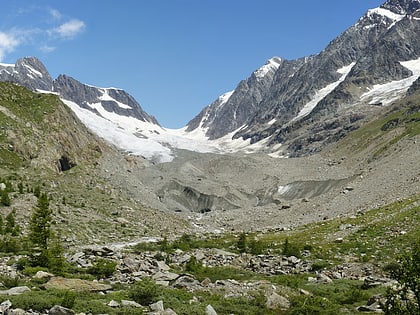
pixel 324 97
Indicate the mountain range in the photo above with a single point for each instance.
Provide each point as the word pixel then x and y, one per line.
pixel 285 108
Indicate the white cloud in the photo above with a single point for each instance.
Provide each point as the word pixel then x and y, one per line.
pixel 70 29
pixel 55 14
pixel 47 48
pixel 8 43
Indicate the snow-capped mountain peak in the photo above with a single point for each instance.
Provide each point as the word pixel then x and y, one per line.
pixel 271 66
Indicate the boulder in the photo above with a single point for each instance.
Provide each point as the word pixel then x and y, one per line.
pixel 157 307
pixel 113 303
pixel 15 291
pixel 60 310
pixel 126 303
pixel 276 301
pixel 5 307
pixel 210 310
pixel 43 275
pixel 78 285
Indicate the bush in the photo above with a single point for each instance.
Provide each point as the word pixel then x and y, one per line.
pixel 69 299
pixel 5 199
pixel 193 265
pixel 290 249
pixel 242 243
pixel 308 305
pixel 145 292
pixel 9 282
pixel 102 268
pixel 257 247
pixel 406 298
pixel 319 265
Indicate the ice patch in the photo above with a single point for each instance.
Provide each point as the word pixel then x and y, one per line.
pixel 106 97
pixel 387 93
pixel 319 95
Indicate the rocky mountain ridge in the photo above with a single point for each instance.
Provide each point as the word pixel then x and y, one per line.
pixel 32 74
pixel 286 107
pixel 306 103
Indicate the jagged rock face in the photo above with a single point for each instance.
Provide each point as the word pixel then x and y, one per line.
pixel 32 74
pixel 310 102
pixel 112 100
pixel 233 109
pixel 29 72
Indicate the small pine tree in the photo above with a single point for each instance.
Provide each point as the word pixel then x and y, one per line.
pixel 56 260
pixel 37 191
pixel 5 199
pixel 10 222
pixel 241 244
pixel 290 249
pixel 1 225
pixel 40 231
pixel 20 187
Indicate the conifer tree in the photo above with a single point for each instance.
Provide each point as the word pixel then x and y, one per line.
pixel 40 231
pixel 5 199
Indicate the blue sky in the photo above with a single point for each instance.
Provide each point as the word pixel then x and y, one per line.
pixel 174 56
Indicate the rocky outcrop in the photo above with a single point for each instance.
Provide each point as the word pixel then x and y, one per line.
pixel 32 74
pixel 28 72
pixel 112 100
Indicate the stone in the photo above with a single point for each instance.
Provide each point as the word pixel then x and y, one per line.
pixel 126 303
pixel 78 285
pixel 168 311
pixel 157 307
pixel 275 301
pixel 5 306
pixel 210 310
pixel 113 303
pixel 60 310
pixel 162 266
pixel 165 276
pixel 43 275
pixel 323 278
pixel 15 291
pixel 304 292
pixel 18 311
pixel 186 282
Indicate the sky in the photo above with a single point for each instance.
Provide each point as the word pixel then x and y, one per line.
pixel 174 56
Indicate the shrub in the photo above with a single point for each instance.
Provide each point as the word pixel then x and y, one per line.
pixel 145 292
pixel 309 305
pixel 406 298
pixel 290 249
pixel 257 247
pixel 193 265
pixel 102 268
pixel 5 199
pixel 9 282
pixel 69 299
pixel 242 244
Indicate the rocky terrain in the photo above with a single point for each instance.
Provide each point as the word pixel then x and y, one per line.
pixel 219 232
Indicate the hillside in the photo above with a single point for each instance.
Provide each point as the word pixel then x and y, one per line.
pixel 44 144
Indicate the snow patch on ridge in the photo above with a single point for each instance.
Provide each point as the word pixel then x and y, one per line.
pixel 33 71
pixel 389 92
pixel 387 13
pixel 272 65
pixel 106 97
pixel 322 93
